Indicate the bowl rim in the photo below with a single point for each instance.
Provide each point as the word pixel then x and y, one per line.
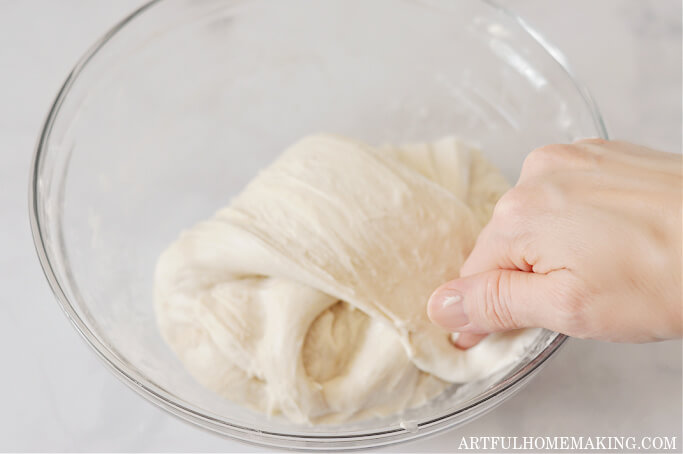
pixel 215 423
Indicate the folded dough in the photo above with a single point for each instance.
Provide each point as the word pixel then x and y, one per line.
pixel 307 294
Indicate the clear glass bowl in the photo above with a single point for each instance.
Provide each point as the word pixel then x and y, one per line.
pixel 174 110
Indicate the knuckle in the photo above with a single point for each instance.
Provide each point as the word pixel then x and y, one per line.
pixel 524 249
pixel 539 158
pixel 562 156
pixel 511 203
pixel 592 141
pixel 586 156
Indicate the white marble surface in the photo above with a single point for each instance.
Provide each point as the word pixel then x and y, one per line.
pixel 57 396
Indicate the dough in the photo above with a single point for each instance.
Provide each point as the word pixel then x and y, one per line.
pixel 307 295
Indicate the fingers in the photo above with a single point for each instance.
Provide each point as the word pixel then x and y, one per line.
pixel 468 340
pixel 507 241
pixel 489 253
pixel 497 249
pixel 491 301
pixel 502 284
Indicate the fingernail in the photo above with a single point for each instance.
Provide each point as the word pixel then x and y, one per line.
pixel 446 308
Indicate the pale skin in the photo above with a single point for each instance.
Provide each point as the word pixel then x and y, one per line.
pixel 587 243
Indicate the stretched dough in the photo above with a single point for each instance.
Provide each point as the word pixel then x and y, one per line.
pixel 306 295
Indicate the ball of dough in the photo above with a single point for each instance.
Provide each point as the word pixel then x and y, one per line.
pixel 307 294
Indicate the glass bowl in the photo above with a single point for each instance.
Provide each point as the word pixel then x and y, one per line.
pixel 176 108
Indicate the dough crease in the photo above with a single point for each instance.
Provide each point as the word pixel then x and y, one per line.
pixel 307 295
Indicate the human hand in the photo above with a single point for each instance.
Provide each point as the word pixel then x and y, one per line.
pixel 588 243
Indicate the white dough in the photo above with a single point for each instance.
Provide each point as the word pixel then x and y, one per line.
pixel 307 295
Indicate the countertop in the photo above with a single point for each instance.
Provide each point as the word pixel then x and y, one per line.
pixel 56 394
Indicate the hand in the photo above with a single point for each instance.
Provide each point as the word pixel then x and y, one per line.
pixel 588 243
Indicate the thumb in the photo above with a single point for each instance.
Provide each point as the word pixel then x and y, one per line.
pixel 491 301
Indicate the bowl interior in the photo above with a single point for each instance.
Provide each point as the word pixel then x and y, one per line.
pixel 172 113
